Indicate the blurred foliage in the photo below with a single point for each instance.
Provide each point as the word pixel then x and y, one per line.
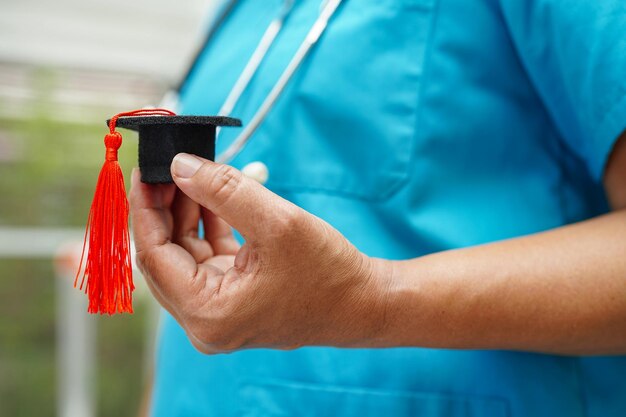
pixel 27 357
pixel 52 176
pixel 48 170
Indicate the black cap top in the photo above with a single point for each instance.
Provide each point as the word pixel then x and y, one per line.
pixel 162 137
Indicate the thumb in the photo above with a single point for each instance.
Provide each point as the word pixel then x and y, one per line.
pixel 240 201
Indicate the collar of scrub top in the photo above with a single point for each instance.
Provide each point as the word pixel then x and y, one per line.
pixel 327 10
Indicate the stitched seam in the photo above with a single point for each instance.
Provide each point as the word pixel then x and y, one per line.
pixel 358 390
pixel 420 95
pixel 562 183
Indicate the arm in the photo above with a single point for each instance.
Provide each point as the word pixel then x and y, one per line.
pixel 562 291
pixel 298 282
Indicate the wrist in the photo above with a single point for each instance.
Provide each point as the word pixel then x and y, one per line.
pixel 427 305
pixel 409 310
pixel 372 302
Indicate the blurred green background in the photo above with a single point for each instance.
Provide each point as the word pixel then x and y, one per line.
pixel 47 176
pixel 65 67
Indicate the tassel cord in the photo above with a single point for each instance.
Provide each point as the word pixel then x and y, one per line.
pixel 107 277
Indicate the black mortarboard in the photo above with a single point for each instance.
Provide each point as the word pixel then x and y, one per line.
pixel 108 275
pixel 162 137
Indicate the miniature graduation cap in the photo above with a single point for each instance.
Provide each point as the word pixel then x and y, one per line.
pixel 162 135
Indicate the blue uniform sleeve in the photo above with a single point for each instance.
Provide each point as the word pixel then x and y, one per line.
pixel 575 54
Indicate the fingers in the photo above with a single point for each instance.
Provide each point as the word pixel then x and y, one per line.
pixel 241 202
pixel 172 271
pixel 152 221
pixel 219 234
pixel 186 215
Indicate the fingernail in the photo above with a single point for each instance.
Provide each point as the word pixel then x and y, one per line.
pixel 185 165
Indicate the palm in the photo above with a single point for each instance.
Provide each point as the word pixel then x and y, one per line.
pixel 174 219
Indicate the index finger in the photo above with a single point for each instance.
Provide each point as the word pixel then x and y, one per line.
pixel 240 201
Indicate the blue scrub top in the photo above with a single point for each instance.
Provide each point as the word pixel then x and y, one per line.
pixel 417 126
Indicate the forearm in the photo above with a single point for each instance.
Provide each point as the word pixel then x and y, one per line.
pixel 562 291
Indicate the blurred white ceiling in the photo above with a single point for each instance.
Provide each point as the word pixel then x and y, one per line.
pixel 156 38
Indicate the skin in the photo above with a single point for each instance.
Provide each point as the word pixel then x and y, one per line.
pixel 297 281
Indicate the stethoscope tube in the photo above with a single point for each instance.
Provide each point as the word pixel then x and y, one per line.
pixel 318 28
pixel 255 60
pixel 327 10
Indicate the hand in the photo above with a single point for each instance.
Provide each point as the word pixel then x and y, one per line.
pixel 296 281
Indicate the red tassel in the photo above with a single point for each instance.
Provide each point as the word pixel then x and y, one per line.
pixel 108 270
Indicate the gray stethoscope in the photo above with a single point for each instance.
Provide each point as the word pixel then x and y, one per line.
pixel 327 9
